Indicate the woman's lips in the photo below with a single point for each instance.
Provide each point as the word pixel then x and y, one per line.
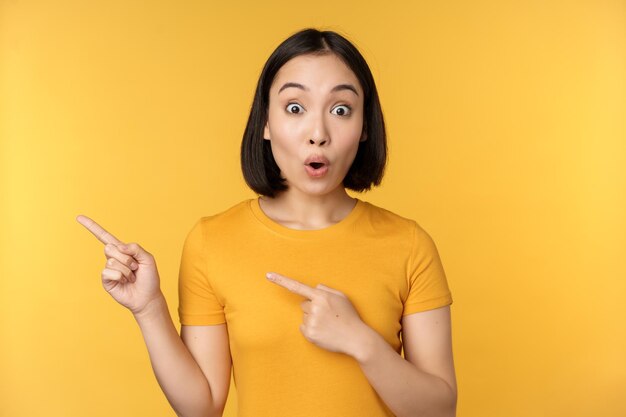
pixel 316 173
pixel 316 158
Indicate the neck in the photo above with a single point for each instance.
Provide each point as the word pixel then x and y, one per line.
pixel 298 210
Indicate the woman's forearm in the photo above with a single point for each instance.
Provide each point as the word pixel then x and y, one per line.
pixel 177 372
pixel 407 391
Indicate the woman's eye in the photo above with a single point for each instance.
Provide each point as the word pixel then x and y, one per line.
pixel 294 108
pixel 343 110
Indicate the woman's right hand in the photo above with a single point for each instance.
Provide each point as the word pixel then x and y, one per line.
pixel 130 274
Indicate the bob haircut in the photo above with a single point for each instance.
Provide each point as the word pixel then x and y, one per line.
pixel 260 170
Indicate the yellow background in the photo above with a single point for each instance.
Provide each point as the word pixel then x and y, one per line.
pixel 507 144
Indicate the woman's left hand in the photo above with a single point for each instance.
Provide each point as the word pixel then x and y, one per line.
pixel 330 320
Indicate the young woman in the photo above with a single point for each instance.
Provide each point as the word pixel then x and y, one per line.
pixel 307 293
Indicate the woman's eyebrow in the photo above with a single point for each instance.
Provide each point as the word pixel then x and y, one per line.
pixel 335 88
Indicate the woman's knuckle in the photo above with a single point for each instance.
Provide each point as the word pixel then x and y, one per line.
pixel 110 274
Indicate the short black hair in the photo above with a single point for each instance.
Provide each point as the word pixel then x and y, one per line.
pixel 260 170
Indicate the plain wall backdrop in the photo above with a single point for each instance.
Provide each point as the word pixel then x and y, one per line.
pixel 507 141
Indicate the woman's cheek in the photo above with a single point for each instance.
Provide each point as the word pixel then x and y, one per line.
pixel 283 155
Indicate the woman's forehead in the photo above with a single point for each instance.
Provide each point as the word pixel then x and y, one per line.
pixel 316 72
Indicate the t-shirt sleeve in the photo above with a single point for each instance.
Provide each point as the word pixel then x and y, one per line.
pixel 197 303
pixel 428 286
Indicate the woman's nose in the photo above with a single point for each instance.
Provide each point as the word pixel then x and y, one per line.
pixel 317 141
pixel 319 132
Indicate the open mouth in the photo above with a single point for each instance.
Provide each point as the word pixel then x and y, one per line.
pixel 316 165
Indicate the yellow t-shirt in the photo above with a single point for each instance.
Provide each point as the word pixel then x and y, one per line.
pixel 386 265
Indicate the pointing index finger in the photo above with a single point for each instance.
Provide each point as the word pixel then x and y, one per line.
pixel 292 285
pixel 97 230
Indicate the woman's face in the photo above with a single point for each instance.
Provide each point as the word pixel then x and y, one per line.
pixel 315 109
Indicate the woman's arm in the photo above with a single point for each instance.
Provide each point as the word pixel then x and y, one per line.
pixel 132 279
pixel 422 384
pixel 180 377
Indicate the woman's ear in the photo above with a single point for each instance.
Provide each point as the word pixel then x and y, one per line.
pixel 363 134
pixel 266 131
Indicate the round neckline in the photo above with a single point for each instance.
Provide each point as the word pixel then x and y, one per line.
pixel 306 233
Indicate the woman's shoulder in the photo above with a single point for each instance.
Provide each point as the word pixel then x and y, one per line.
pixel 232 213
pixel 391 222
pixel 387 216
